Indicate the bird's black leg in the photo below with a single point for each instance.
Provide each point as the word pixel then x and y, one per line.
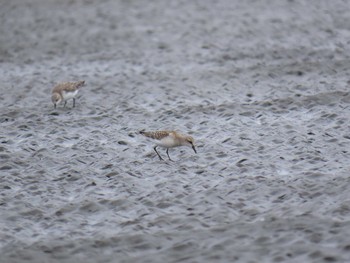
pixel 73 102
pixel 167 152
pixel 160 157
pixel 65 102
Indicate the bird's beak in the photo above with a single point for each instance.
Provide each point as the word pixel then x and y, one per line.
pixel 54 105
pixel 194 149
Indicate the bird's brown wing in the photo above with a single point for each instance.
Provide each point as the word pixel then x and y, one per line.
pixel 67 86
pixel 157 135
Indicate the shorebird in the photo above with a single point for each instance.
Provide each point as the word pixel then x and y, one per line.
pixel 169 139
pixel 65 91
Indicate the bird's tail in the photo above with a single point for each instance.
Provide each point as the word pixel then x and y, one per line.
pixel 80 84
pixel 143 132
pixel 147 134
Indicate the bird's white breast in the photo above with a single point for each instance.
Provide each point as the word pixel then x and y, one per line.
pixel 69 94
pixel 167 142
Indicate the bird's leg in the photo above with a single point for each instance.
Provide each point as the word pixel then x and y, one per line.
pixel 73 102
pixel 167 152
pixel 65 102
pixel 160 157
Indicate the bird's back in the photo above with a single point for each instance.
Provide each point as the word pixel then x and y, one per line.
pixel 157 135
pixel 68 86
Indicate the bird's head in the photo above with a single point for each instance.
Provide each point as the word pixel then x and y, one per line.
pixel 56 99
pixel 190 143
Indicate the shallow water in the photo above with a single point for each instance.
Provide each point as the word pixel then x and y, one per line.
pixel 261 85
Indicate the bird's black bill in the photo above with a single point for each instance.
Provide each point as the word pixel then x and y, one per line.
pixel 54 105
pixel 194 149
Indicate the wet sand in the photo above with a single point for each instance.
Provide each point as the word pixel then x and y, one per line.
pixel 261 85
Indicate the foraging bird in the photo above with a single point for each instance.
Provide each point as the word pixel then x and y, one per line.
pixel 169 139
pixel 65 91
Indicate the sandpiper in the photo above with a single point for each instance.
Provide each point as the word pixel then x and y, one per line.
pixel 65 91
pixel 169 139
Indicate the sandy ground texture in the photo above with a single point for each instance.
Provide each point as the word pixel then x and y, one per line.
pixel 261 85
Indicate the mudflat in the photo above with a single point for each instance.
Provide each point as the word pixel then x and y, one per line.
pixel 263 88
